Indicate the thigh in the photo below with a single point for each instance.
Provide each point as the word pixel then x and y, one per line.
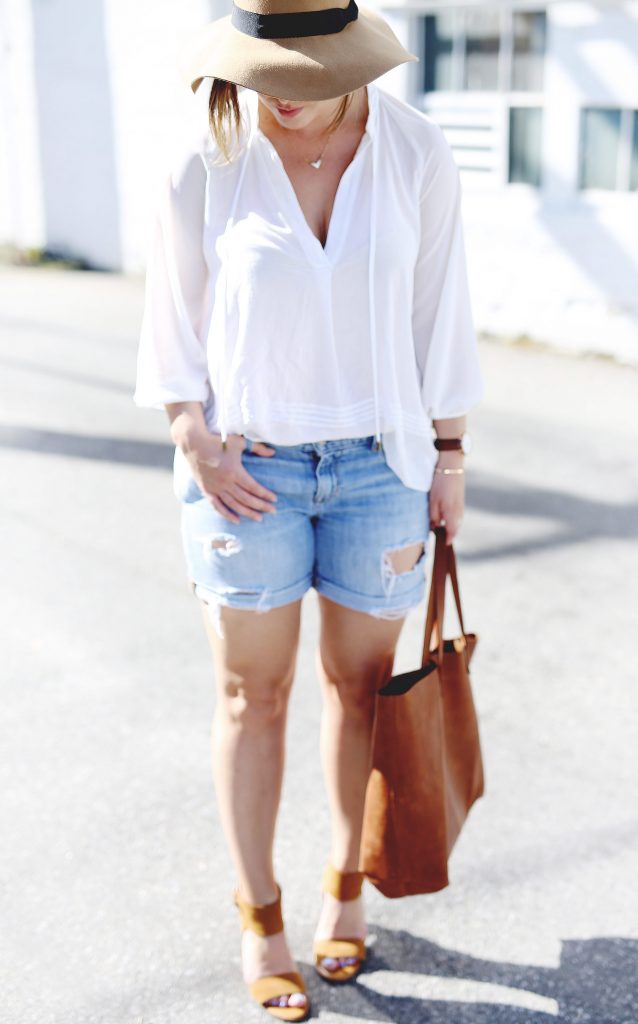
pixel 356 650
pixel 253 653
pixel 251 565
pixel 371 540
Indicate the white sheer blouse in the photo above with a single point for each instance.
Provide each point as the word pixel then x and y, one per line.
pixel 286 341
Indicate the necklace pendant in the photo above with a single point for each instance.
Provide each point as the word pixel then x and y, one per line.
pixel 316 164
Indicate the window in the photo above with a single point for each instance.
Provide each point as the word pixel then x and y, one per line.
pixel 482 43
pixel 438 52
pixel 633 170
pixel 484 50
pixel 525 145
pixel 600 132
pixel 483 81
pixel 609 148
pixel 528 50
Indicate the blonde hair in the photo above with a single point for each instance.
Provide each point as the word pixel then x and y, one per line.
pixel 224 114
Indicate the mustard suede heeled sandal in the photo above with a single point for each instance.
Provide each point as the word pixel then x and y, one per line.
pixel 343 885
pixel 266 919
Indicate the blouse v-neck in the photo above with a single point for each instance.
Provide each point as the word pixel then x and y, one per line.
pixel 329 252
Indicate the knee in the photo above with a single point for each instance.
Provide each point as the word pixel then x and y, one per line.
pixel 255 702
pixel 354 687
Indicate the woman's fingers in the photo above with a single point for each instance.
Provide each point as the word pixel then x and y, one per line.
pixel 249 484
pixel 221 476
pixel 241 494
pixel 238 506
pixel 451 528
pixel 232 499
pixel 446 507
pixel 436 512
pixel 219 506
pixel 259 448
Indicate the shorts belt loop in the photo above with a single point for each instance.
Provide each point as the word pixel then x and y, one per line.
pixel 249 444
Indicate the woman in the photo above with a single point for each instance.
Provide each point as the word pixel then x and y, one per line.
pixel 306 327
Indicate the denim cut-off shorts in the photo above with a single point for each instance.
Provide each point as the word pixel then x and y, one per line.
pixel 341 513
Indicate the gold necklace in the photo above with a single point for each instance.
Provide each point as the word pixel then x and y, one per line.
pixel 317 163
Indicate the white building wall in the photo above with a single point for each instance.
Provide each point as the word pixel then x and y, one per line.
pixel 89 101
pixel 77 130
pixel 151 104
pixel 557 264
pixel 21 208
pixel 561 264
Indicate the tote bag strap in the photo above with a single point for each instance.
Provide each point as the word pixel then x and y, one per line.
pixel 455 586
pixel 436 602
pixel 444 564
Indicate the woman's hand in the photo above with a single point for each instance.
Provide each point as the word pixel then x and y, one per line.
pixel 219 473
pixel 222 479
pixel 447 496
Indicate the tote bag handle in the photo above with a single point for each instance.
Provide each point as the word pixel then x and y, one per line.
pixel 444 565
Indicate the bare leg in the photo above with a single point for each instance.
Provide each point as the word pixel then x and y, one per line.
pixel 355 655
pixel 254 670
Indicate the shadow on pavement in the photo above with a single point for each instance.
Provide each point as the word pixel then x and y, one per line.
pixel 579 518
pixel 595 983
pixel 88 446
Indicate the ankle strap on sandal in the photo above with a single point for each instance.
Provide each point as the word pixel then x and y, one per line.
pixel 262 918
pixel 343 885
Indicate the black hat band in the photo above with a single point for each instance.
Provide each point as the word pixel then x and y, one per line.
pixel 289 26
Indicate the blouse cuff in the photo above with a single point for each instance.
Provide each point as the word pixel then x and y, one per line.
pixel 166 394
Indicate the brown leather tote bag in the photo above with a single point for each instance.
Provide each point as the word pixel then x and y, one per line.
pixel 427 768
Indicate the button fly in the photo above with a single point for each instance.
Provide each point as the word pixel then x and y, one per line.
pixel 326 479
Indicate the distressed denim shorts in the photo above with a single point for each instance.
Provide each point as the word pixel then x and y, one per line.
pixel 341 511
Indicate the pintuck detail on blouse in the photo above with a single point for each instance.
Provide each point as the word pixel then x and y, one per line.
pixel 287 341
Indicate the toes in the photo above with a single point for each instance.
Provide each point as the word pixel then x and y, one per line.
pixel 294 999
pixel 332 963
pixel 297 999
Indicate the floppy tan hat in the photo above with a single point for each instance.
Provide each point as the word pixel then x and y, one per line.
pixel 295 49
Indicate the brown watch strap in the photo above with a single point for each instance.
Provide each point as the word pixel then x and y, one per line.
pixel 448 444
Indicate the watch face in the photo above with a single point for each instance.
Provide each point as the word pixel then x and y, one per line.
pixel 466 443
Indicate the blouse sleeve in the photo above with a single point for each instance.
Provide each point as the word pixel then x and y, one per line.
pixel 444 335
pixel 171 360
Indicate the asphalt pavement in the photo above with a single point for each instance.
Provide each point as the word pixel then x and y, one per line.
pixel 115 883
